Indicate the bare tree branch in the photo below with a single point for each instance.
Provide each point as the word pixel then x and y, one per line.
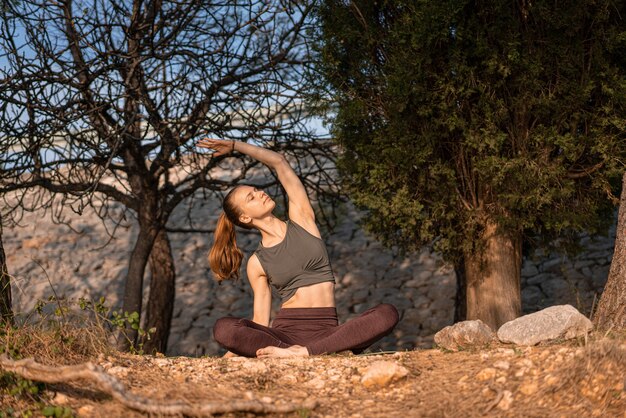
pixel 30 369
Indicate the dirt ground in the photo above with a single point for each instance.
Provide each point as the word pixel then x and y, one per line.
pixel 578 378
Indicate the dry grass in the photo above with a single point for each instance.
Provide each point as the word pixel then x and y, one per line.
pixel 71 340
pixel 576 378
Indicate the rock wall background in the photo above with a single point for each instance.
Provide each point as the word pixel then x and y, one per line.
pixel 81 260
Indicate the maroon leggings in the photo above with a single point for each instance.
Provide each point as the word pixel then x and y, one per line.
pixel 315 328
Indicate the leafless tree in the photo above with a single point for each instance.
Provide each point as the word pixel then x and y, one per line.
pixel 106 98
pixel 6 312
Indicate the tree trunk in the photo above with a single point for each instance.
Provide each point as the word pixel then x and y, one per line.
pixel 460 302
pixel 133 291
pixel 493 279
pixel 611 312
pixel 6 313
pixel 162 294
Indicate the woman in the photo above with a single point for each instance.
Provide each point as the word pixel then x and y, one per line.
pixel 291 257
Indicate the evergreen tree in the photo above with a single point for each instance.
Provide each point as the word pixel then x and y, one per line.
pixel 476 126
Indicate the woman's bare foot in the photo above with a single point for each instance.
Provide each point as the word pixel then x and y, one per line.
pixel 293 351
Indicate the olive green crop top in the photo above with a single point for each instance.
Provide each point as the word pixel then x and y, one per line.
pixel 299 260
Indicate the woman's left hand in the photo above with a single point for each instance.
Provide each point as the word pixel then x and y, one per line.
pixel 220 146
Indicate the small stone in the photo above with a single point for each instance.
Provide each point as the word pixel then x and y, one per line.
pixel 550 379
pixel 414 283
pixel 85 411
pixel 501 379
pixel 506 401
pixel 381 373
pixel 289 379
pixel 316 383
pixel 60 399
pixel 266 399
pixel 529 270
pixel 486 374
pixel 118 371
pixel 528 388
pixel 502 364
pixel 526 363
pixel 255 366
pixel 161 362
pixel 505 351
pixel 464 334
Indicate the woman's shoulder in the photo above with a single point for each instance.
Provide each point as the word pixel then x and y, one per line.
pixel 307 225
pixel 254 264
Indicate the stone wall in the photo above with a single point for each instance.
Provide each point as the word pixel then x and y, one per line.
pixel 83 261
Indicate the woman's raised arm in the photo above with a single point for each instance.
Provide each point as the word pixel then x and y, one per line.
pixel 300 209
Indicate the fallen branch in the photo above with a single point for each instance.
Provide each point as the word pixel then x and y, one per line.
pixel 30 369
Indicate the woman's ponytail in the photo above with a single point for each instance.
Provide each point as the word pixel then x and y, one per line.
pixel 225 257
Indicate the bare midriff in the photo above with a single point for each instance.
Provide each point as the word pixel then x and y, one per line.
pixel 319 295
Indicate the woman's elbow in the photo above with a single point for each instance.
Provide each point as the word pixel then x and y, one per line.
pixel 279 161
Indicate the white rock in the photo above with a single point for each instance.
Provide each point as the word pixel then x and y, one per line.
pixel 506 401
pixel 255 366
pixel 502 365
pixel 464 334
pixel 487 373
pixel 381 373
pixel 85 411
pixel 162 362
pixel 118 371
pixel 316 383
pixel 60 399
pixel 562 321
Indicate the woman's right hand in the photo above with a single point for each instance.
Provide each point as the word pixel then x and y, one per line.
pixel 221 146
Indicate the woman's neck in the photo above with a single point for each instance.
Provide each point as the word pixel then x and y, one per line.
pixel 272 230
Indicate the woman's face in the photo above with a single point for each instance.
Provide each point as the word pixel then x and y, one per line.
pixel 253 203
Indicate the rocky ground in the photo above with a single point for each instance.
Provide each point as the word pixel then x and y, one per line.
pixel 583 378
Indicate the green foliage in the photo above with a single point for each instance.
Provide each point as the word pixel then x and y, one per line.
pixel 29 393
pixel 57 412
pixel 30 396
pixel 304 413
pixel 130 320
pixel 9 347
pixel 15 385
pixel 452 114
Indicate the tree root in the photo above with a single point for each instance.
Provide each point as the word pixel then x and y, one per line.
pixel 30 369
